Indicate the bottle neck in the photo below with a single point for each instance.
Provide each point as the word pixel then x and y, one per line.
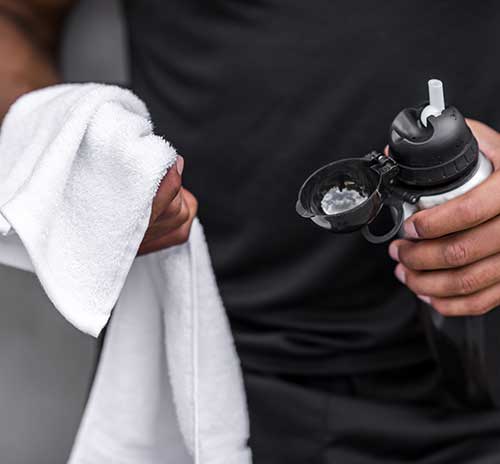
pixel 476 174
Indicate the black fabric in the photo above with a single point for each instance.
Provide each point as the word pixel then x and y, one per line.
pixel 256 94
pixel 346 424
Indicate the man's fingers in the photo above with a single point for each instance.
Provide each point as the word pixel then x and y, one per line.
pixel 169 188
pixel 451 251
pixel 475 304
pixel 192 202
pixel 174 237
pixel 454 282
pixel 172 215
pixel 470 209
pixel 461 213
pixel 176 214
pixel 167 224
pixel 174 230
pixel 173 208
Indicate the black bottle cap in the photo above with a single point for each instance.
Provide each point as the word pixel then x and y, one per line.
pixel 432 155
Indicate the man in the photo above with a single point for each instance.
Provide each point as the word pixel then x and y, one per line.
pixel 257 94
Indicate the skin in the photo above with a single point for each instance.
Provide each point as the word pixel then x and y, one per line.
pixel 450 256
pixel 30 32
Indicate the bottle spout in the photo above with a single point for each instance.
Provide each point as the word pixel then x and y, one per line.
pixel 436 101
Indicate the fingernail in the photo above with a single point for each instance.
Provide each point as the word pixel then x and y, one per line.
pixel 409 230
pixel 394 251
pixel 425 299
pixel 180 164
pixel 399 272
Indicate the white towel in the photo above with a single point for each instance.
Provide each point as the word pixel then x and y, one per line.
pixel 79 167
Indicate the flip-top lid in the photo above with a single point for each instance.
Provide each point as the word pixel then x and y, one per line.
pixel 432 147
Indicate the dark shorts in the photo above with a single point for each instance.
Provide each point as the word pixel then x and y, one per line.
pixel 364 420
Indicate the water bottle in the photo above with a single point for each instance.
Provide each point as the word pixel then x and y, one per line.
pixel 433 157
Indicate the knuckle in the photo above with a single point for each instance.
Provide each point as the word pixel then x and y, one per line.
pixel 187 228
pixel 184 216
pixel 176 206
pixel 488 275
pixel 183 235
pixel 195 205
pixel 455 253
pixel 467 282
pixel 191 200
pixel 468 210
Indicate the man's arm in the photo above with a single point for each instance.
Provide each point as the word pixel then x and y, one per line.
pixel 30 32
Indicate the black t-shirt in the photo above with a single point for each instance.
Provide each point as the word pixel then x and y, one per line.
pixel 256 94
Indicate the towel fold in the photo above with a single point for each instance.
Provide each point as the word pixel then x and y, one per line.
pixel 79 168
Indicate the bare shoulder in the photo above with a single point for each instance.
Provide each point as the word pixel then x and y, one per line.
pixel 39 18
pixel 54 5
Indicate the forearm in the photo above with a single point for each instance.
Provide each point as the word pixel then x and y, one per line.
pixel 29 32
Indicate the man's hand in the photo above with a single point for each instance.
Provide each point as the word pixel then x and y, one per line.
pixel 452 260
pixel 173 212
pixel 30 32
